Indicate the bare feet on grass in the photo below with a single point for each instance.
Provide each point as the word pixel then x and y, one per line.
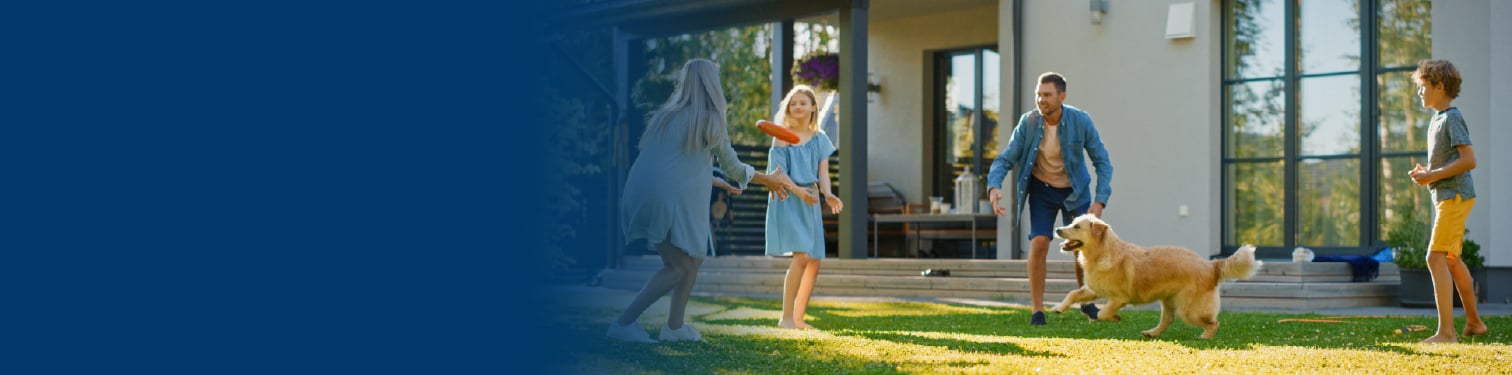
pixel 793 325
pixel 1474 329
pixel 1440 339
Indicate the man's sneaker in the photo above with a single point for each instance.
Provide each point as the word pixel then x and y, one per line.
pixel 1038 319
pixel 1091 311
pixel 680 334
pixel 630 332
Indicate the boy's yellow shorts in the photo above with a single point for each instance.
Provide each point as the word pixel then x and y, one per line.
pixel 1449 225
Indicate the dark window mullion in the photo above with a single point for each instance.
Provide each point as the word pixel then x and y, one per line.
pixel 1223 125
pixel 1369 164
pixel 1328 157
pixel 1329 74
pixel 1289 131
pixel 1255 79
pixel 979 118
pixel 1254 160
pixel 1385 155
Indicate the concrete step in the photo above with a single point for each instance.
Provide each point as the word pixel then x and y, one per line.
pixel 1284 286
pixel 1270 272
pixel 856 285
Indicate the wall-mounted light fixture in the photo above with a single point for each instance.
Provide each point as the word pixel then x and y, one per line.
pixel 873 87
pixel 1099 9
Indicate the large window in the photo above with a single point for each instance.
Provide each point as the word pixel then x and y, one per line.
pixel 967 114
pixel 1321 121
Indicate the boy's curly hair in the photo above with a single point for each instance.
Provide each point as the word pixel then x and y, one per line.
pixel 1439 71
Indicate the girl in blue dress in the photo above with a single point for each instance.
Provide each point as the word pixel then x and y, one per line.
pixel 666 198
pixel 796 227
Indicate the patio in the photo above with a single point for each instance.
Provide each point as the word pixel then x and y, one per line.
pixel 1279 285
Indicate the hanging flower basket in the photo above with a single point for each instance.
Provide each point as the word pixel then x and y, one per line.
pixel 822 71
pixel 818 69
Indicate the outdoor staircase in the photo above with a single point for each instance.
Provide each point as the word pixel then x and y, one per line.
pixel 1280 285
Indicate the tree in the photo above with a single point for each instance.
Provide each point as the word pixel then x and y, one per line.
pixel 744 70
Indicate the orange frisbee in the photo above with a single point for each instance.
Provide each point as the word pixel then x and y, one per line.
pixel 778 131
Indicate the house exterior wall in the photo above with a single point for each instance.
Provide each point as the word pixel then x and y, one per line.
pixel 1155 101
pixel 898 120
pixel 1475 37
pixel 1157 104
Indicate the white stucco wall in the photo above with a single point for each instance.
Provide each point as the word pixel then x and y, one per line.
pixel 1156 105
pixel 1497 173
pixel 1473 34
pixel 896 122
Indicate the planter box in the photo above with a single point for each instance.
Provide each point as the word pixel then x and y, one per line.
pixel 1417 287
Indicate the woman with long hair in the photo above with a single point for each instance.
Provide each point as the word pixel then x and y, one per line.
pixel 666 198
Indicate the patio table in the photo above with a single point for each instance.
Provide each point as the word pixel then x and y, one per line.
pixel 928 218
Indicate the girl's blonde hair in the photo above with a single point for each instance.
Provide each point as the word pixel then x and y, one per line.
pixel 698 104
pixel 782 118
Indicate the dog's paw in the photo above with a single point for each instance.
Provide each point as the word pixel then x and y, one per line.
pixel 1058 309
pixel 1106 317
pixel 1151 333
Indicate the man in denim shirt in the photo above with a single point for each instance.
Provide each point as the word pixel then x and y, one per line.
pixel 1046 154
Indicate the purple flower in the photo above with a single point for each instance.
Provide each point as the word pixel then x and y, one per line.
pixel 819 69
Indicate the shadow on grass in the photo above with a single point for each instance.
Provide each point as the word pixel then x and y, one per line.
pixel 1237 331
pixel 912 323
pixel 593 353
pixel 951 344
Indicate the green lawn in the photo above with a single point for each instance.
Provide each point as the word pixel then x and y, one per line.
pixel 912 337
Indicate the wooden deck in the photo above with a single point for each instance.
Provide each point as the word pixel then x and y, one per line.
pixel 1279 285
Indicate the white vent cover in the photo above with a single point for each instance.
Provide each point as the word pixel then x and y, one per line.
pixel 1179 21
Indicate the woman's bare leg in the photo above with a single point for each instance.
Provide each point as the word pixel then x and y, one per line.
pixel 664 280
pixel 681 294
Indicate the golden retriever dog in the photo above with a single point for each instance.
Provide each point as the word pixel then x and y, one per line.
pixel 1185 283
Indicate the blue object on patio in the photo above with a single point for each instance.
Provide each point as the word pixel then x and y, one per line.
pixel 1364 268
pixel 1386 255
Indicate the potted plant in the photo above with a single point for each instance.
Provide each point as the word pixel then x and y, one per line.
pixel 1408 239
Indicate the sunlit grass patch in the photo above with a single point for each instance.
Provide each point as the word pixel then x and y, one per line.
pixel 913 337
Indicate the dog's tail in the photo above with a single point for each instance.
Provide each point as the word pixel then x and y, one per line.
pixel 1240 266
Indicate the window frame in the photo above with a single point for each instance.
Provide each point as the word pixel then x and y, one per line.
pixel 942 180
pixel 1370 154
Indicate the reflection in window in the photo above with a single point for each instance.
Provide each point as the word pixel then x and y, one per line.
pixel 1257 119
pixel 1403 121
pixel 1330 33
pixel 969 81
pixel 990 104
pixel 1312 193
pixel 1330 109
pixel 960 107
pixel 1254 208
pixel 1329 214
pixel 1406 29
pixel 1257 39
pixel 1399 194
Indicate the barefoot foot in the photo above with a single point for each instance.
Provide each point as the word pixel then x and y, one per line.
pixel 1474 329
pixel 1439 338
pixel 786 324
pixel 802 325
